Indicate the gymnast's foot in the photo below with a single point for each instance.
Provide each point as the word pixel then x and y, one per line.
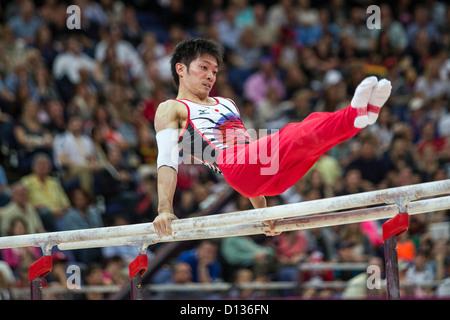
pixel 378 98
pixel 361 99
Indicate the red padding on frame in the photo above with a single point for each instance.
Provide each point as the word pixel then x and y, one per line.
pixel 138 265
pixel 396 226
pixel 40 268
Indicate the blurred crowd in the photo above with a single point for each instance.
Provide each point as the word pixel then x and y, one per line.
pixel 77 141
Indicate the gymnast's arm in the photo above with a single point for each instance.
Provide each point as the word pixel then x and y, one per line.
pixel 166 126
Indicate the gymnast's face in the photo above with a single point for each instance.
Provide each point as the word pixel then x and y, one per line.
pixel 200 77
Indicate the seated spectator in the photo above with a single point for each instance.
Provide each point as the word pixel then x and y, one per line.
pixel 100 146
pixel 258 84
pixel 291 249
pixel 46 193
pixel 17 257
pixel 181 274
pixel 125 52
pixel 56 118
pixel 82 214
pixel 430 139
pixel 20 207
pixel 103 118
pixel 360 243
pixel 93 275
pixel 67 66
pixel 45 86
pixel 242 277
pixel 31 136
pixel 74 154
pixel 20 82
pixel 244 252
pixel 420 272
pixel 46 45
pixel 25 24
pixel 203 261
pixel 147 206
pixel 367 162
pixel 116 183
pixel 325 241
pixel 346 254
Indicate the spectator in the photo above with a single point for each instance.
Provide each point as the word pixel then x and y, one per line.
pixel 291 249
pixel 429 85
pixel 263 33
pixel 346 254
pixel 45 86
pixel 116 183
pixel 26 24
pixel 357 30
pixel 422 21
pixel 429 139
pixel 360 243
pixel 17 257
pixel 147 206
pixel 420 272
pixel 368 163
pixel 20 207
pixel 245 252
pixel 242 277
pixel 68 64
pixel 93 275
pixel 181 274
pixel 21 84
pixel 203 261
pixel 46 45
pixel 56 118
pixel 46 193
pixel 82 213
pixel 74 154
pixel 31 136
pixel 258 84
pixel 227 29
pixel 396 33
pixel 126 53
pixel 277 14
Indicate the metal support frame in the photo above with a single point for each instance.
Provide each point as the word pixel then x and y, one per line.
pixel 137 268
pixel 391 229
pixel 38 270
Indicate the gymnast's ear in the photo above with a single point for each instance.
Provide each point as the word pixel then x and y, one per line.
pixel 180 69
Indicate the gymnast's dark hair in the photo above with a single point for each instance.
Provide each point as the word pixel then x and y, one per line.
pixel 189 50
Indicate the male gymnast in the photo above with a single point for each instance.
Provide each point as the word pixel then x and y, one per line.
pixel 210 130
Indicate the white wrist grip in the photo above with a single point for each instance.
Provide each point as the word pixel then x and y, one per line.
pixel 168 153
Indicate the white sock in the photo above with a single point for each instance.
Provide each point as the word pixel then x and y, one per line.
pixel 361 99
pixel 378 98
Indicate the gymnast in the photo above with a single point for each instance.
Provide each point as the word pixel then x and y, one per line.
pixel 210 131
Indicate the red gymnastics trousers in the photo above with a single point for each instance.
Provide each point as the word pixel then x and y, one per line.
pixel 272 164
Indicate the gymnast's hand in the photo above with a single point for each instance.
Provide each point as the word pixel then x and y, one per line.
pixel 162 223
pixel 271 225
